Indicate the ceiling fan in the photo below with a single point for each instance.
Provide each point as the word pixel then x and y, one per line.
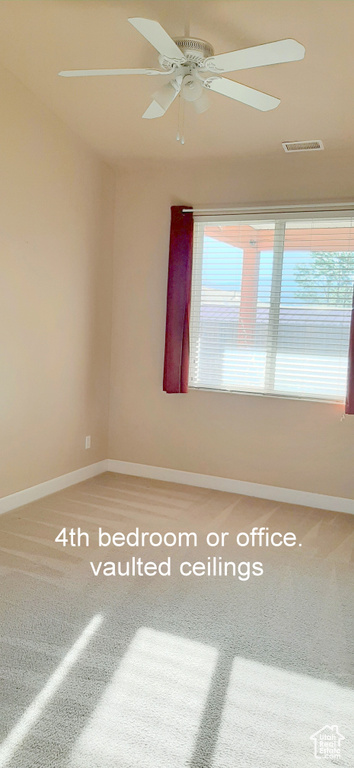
pixel 192 69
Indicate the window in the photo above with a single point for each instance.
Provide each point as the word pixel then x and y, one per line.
pixel 271 304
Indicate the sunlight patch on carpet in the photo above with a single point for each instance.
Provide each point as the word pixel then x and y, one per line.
pixel 37 706
pixel 150 712
pixel 269 715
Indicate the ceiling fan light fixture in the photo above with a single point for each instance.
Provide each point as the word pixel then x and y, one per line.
pixel 202 104
pixel 191 89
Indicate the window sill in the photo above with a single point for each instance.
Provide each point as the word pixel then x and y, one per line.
pixel 276 396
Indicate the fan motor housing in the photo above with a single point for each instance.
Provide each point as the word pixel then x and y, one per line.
pixel 194 49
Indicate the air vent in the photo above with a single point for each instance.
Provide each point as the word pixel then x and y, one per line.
pixel 302 146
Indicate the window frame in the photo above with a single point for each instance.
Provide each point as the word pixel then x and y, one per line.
pixel 280 215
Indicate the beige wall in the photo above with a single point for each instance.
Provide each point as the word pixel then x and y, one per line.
pixel 56 237
pixel 289 443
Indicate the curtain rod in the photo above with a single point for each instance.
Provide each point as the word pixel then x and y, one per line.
pixel 274 208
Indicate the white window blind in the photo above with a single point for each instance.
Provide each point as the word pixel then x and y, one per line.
pixel 271 304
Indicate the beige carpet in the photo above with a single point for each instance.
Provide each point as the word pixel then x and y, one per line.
pixel 172 672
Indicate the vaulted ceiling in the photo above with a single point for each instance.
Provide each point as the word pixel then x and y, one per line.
pixel 38 38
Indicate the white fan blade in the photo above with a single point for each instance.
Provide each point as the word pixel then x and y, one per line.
pixel 259 56
pixel 242 93
pixel 94 72
pixel 162 100
pixel 156 35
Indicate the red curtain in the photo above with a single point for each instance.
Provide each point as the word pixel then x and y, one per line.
pixel 175 379
pixel 349 403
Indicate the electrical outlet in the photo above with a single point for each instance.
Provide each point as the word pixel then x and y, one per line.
pixel 88 441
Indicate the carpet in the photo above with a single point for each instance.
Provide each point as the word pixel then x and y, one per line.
pixel 174 671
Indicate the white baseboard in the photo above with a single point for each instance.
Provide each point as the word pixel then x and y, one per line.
pixel 51 486
pixel 272 492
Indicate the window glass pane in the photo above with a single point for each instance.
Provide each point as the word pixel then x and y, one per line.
pixel 316 298
pixel 235 280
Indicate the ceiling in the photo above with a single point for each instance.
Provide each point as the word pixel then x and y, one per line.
pixel 40 37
